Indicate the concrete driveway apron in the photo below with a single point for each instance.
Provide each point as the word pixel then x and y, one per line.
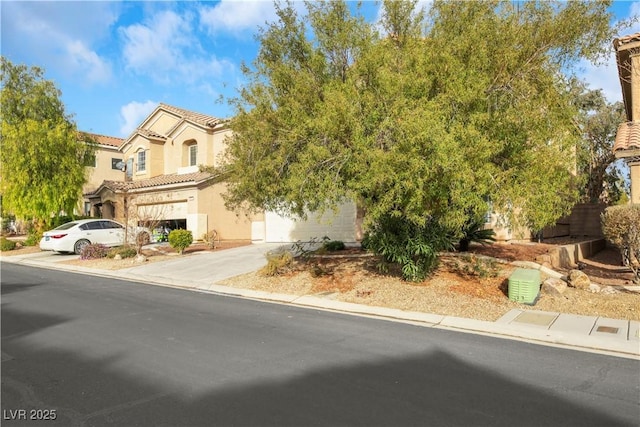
pixel 204 268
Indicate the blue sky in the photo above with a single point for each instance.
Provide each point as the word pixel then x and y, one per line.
pixel 115 61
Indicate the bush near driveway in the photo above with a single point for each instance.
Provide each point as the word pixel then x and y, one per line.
pixel 180 240
pixel 94 251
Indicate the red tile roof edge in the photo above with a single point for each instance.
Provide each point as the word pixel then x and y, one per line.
pixel 627 136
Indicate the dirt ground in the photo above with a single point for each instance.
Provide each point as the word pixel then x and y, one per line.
pixel 464 285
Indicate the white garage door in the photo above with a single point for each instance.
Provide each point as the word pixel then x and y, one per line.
pixel 339 226
pixel 176 210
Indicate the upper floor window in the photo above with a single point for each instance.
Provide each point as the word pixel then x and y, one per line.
pixel 193 155
pixel 129 167
pixel 142 161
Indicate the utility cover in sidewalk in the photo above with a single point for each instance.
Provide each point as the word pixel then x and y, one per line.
pixel 608 329
pixel 539 319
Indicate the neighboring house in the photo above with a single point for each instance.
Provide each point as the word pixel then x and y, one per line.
pixel 104 167
pixel 627 144
pixel 161 177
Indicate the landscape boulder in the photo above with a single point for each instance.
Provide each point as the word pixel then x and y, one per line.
pixel 554 287
pixel 579 280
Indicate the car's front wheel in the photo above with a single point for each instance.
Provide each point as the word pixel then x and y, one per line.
pixel 79 246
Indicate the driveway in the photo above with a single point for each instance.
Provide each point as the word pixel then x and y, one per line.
pixel 42 257
pixel 204 268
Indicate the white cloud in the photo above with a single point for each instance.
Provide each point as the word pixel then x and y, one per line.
pixel 52 33
pixel 237 17
pixel 133 114
pixel 87 63
pixel 156 47
pixel 166 49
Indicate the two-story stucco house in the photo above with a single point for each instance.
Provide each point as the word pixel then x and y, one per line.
pixel 156 169
pixel 104 167
pixel 627 144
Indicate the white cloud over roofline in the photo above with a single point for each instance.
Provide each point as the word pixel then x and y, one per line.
pixel 133 113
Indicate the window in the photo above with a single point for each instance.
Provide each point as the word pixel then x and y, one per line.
pixel 193 155
pixel 93 225
pixel 114 163
pixel 142 161
pixel 87 208
pixel 129 167
pixel 110 224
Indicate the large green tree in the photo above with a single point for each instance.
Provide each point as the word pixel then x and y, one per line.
pixel 426 118
pixel 599 120
pixel 43 161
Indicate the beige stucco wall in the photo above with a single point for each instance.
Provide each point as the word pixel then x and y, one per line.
pixel 161 122
pixel 204 211
pixel 634 171
pixel 138 143
pixel 172 155
pixel 155 159
pixel 177 155
pixel 229 225
pixel 203 207
pixel 102 171
pixel 635 86
pixel 219 147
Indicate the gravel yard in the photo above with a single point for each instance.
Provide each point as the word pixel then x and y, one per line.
pixel 456 288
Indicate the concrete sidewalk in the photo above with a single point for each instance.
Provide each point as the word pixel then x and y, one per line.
pixel 202 271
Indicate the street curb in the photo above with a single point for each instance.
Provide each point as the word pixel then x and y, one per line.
pixel 628 349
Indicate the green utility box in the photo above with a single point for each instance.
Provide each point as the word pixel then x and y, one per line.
pixel 524 285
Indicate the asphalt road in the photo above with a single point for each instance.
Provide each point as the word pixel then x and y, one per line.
pixel 94 351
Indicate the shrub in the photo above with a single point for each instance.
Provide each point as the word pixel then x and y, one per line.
pixel 33 238
pixel 414 247
pixel 621 227
pixel 94 251
pixel 123 251
pixel 210 238
pixel 277 263
pixel 333 245
pixel 7 245
pixel 472 266
pixel 180 239
pixel 474 231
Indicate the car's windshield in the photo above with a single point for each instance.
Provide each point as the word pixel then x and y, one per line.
pixel 66 226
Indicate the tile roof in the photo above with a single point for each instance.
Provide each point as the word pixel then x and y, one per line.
pixel 626 39
pixel 174 178
pixel 149 133
pixel 104 140
pixel 628 137
pixel 622 46
pixel 199 118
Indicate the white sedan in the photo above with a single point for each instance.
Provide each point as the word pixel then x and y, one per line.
pixel 75 235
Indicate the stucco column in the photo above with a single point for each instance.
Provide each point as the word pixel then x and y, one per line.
pixel 634 172
pixel 635 83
